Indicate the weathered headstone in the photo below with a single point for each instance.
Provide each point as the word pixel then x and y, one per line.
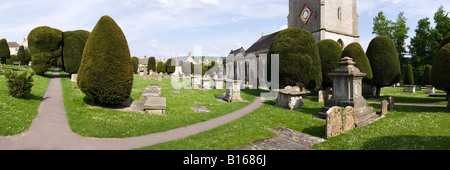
pixel 349 120
pixel 155 105
pixel 233 93
pixel 321 96
pixel 384 107
pixel 409 89
pixel 218 83
pixel 74 77
pixel 391 103
pixel 430 89
pixel 207 83
pixel 334 122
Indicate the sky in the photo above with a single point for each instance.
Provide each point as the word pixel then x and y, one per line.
pixel 164 28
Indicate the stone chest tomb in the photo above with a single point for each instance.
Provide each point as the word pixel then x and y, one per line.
pixel 347 91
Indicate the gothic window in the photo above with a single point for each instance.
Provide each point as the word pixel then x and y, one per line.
pixel 341 43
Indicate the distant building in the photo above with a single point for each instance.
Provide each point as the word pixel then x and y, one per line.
pixel 13 48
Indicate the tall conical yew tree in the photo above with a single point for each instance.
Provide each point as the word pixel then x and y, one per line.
pixel 106 71
pixel 4 52
pixel 330 55
pixel 440 74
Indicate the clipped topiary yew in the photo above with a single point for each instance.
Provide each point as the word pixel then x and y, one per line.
pixel 330 55
pixel 299 58
pixel 105 72
pixel 355 51
pixel 440 75
pixel 427 75
pixel 151 64
pixel 4 52
pixel 74 42
pixel 385 63
pixel 44 40
pixel 135 63
pixel 409 75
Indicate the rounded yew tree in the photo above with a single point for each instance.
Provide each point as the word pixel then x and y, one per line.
pixel 74 42
pixel 105 72
pixel 299 58
pixel 170 67
pixel 135 64
pixel 4 51
pixel 44 39
pixel 409 75
pixel 330 55
pixel 151 64
pixel 385 63
pixel 161 67
pixel 355 51
pixel 426 79
pixel 444 42
pixel 440 75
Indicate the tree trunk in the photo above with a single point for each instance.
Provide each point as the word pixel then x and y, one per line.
pixel 378 91
pixel 448 99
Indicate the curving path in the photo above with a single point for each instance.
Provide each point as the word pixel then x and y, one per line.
pixel 50 129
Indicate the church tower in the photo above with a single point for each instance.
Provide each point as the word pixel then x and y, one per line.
pixel 326 19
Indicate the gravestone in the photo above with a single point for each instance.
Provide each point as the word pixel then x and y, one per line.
pixel 218 83
pixel 334 122
pixel 409 89
pixel 155 106
pixel 200 109
pixel 347 91
pixel 321 96
pixel 290 98
pixel 74 77
pixel 384 107
pixel 391 103
pixel 430 89
pixel 196 81
pixel 206 82
pixel 233 93
pixel 349 120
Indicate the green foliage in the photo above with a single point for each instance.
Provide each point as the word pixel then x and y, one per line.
pixel 299 58
pixel 21 53
pixel 444 42
pixel 41 62
pixel 381 25
pixel 409 75
pixel 27 56
pixel 440 75
pixel 161 67
pixel 19 85
pixel 74 43
pixel 385 63
pixel 151 64
pixel 330 55
pixel 135 63
pixel 4 51
pixel 106 72
pixel 426 79
pixel 399 35
pixel 170 67
pixel 355 51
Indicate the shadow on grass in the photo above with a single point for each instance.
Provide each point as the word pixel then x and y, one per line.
pixel 415 109
pixel 408 143
pixel 421 100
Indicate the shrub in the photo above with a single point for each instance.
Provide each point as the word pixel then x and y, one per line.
pixel 105 72
pixel 151 64
pixel 41 62
pixel 19 85
pixel 74 42
pixel 409 75
pixel 299 58
pixel 170 67
pixel 47 40
pixel 444 42
pixel 427 75
pixel 161 67
pixel 355 51
pixel 4 51
pixel 440 75
pixel 330 55
pixel 385 63
pixel 135 63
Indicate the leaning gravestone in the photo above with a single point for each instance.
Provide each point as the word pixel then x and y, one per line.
pixel 334 122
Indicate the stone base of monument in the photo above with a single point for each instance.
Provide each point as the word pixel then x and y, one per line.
pixel 409 89
pixel 155 106
pixel 361 114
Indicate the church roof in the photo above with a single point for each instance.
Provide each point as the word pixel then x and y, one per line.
pixel 262 43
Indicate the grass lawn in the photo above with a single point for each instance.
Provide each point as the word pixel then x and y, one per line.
pixel 106 123
pixel 420 97
pixel 408 128
pixel 16 115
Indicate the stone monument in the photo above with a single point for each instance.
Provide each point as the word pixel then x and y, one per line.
pixel 290 98
pixel 233 93
pixel 347 91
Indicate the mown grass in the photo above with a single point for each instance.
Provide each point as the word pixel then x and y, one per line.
pixel 16 115
pixel 107 123
pixel 420 97
pixel 408 128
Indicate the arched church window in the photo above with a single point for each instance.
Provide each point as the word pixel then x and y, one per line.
pixel 339 14
pixel 341 43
